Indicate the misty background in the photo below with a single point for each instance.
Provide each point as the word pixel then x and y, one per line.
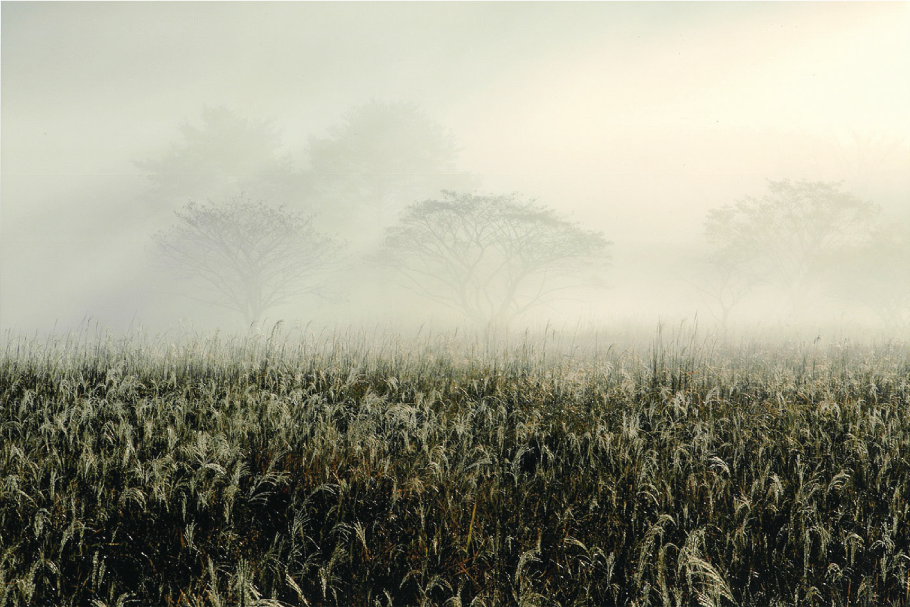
pixel 631 120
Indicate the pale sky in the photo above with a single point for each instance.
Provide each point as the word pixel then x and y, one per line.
pixel 634 117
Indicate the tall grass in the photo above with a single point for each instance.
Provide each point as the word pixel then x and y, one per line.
pixel 366 469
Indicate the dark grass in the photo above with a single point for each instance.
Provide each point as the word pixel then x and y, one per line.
pixel 363 471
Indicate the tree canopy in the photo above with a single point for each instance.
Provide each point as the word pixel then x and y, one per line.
pixel 380 158
pixel 248 256
pixel 491 258
pixel 876 275
pixel 224 154
pixel 786 236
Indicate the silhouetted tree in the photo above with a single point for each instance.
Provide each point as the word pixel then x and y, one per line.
pixel 379 159
pixel 785 237
pixel 248 256
pixel 490 257
pixel 223 155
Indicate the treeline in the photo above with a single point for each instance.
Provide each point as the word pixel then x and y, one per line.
pixel 378 205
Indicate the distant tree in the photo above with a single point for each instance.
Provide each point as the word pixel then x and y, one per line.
pixel 222 155
pixel 379 159
pixel 491 258
pixel 785 237
pixel 723 285
pixel 864 159
pixel 867 155
pixel 876 275
pixel 248 256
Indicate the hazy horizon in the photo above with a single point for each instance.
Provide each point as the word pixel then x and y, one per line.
pixel 632 119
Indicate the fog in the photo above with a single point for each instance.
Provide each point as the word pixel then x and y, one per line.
pixel 631 120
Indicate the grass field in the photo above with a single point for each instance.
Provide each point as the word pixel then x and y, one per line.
pixel 370 470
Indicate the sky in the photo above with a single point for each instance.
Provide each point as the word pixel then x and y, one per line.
pixel 633 118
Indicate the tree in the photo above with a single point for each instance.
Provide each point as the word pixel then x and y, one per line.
pixel 491 258
pixel 876 275
pixel 248 256
pixel 724 285
pixel 223 155
pixel 785 237
pixel 382 157
pixel 866 160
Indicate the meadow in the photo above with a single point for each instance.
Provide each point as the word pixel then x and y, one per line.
pixel 366 469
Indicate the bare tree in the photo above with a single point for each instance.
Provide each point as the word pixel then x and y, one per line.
pixel 248 256
pixel 863 159
pixel 491 258
pixel 867 155
pixel 785 237
pixel 724 284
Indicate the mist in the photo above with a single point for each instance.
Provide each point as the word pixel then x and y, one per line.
pixel 630 122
